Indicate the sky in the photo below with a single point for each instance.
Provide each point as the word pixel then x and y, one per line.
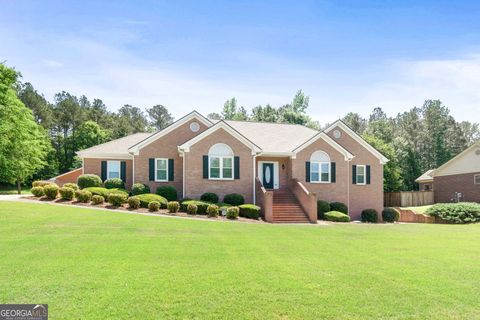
pixel 347 56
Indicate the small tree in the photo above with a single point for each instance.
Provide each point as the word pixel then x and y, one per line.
pixel 24 144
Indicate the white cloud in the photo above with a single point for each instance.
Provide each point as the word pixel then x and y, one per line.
pixel 455 82
pixel 98 70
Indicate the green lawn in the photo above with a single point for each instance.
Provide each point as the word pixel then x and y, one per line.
pixel 419 209
pixel 97 264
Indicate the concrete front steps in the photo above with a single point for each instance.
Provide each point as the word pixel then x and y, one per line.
pixel 286 208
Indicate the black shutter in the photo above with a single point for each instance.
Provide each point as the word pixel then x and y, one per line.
pixel 368 174
pixel 354 174
pixel 307 171
pixel 151 169
pixel 170 169
pixel 104 171
pixel 123 171
pixel 236 167
pixel 333 172
pixel 205 167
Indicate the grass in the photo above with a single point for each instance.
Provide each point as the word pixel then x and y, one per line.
pixel 92 264
pixel 13 190
pixel 419 209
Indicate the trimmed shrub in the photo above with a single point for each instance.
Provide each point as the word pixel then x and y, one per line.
pixel 71 185
pixel 234 199
pixel 51 191
pixel 114 183
pixel 117 199
pixel 66 193
pixel 336 216
pixel 322 208
pixel 209 197
pixel 462 212
pixel 390 215
pixel 83 196
pixel 40 183
pixel 250 211
pixel 369 215
pixel 223 205
pixel 89 180
pixel 168 192
pixel 96 199
pixel 339 206
pixel 201 206
pixel 104 192
pixel 192 208
pixel 232 213
pixel 154 206
pixel 133 202
pixel 37 191
pixel 212 211
pixel 146 198
pixel 140 188
pixel 173 206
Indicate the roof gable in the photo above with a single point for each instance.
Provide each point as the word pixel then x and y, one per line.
pixel 322 135
pixel 220 125
pixel 157 135
pixel 466 161
pixel 357 138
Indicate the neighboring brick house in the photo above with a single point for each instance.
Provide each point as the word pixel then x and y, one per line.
pixel 258 160
pixel 458 179
pixel 425 181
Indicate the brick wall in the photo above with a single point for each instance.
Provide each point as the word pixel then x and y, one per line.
pixel 446 186
pixel 94 166
pixel 165 147
pixel 330 192
pixel 195 185
pixel 363 196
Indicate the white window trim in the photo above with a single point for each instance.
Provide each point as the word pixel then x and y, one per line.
pixel 166 167
pixel 320 172
pixel 221 167
pixel 364 175
pixel 119 169
pixel 475 179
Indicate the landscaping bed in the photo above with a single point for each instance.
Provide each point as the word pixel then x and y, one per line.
pixel 124 207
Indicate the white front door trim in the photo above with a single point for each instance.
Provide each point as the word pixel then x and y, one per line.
pixel 276 175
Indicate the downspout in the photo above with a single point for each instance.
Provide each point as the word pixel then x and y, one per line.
pixel 254 174
pixel 133 169
pixel 183 173
pixel 348 184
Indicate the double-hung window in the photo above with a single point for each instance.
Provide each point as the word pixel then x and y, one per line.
pixel 361 174
pixel 220 164
pixel 320 167
pixel 113 169
pixel 476 179
pixel 161 169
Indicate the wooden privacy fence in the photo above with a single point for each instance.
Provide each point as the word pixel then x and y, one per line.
pixel 407 198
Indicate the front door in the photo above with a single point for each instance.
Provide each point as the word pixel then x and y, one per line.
pixel 268 175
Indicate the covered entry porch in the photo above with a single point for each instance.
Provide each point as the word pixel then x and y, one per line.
pixel 282 199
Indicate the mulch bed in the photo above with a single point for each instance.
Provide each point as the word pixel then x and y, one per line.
pixel 106 205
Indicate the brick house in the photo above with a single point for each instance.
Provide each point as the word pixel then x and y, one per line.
pixel 457 179
pixel 284 168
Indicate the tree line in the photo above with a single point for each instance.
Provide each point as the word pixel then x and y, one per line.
pixel 39 138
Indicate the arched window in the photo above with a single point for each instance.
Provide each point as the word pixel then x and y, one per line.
pixel 320 167
pixel 220 162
